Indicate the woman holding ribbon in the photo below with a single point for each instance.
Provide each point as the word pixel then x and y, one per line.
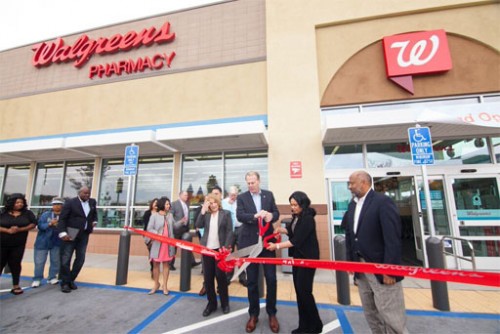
pixel 303 244
pixel 218 233
pixel 162 224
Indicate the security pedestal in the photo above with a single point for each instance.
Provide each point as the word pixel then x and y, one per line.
pixel 186 263
pixel 342 277
pixel 123 258
pixel 436 259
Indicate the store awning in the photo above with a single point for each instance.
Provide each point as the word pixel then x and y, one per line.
pixel 390 125
pixel 215 137
pixel 242 135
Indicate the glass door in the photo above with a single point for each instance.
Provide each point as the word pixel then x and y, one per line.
pixel 339 196
pixel 476 217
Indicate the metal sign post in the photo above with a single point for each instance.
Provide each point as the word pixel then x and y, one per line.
pixel 422 154
pixel 130 163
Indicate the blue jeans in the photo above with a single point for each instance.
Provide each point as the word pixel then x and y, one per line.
pixel 78 246
pixel 40 260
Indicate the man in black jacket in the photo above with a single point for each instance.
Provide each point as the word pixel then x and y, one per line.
pixel 76 222
pixel 373 234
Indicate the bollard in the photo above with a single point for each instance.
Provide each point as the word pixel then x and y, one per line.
pixel 123 258
pixel 186 262
pixel 342 277
pixel 260 281
pixel 436 259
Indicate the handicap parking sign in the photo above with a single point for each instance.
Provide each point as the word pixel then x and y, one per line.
pixel 130 160
pixel 421 146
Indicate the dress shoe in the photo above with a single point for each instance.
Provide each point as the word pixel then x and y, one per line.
pixel 208 310
pixel 195 264
pixel 251 324
pixel 72 286
pixel 274 324
pixel 65 288
pixel 297 331
pixel 226 309
pixel 172 268
pixel 202 292
pixel 243 282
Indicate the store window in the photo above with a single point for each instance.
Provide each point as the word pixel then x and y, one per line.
pixel 236 165
pixel 48 180
pixel 78 174
pixel 16 180
pixel 2 173
pixel 496 148
pixel 154 179
pixel 200 173
pixel 113 188
pixel 461 151
pixel 343 156
pixel 388 155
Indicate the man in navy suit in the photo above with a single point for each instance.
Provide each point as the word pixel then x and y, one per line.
pixel 251 205
pixel 77 220
pixel 373 234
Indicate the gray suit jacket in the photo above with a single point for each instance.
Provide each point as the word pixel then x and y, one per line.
pixel 178 213
pixel 225 230
pixel 156 225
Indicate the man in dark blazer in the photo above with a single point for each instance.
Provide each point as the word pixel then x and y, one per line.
pixel 251 205
pixel 77 220
pixel 180 212
pixel 373 234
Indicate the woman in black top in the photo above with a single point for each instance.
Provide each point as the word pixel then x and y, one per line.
pixel 303 244
pixel 15 222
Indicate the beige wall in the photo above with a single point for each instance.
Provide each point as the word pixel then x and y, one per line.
pixel 301 60
pixel 223 92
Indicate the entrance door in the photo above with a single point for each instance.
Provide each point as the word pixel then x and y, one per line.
pixel 476 217
pixel 401 190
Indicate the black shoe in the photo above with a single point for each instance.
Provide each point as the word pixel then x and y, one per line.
pixel 172 268
pixel 208 310
pixel 195 264
pixel 65 288
pixel 72 286
pixel 225 309
pixel 243 282
pixel 202 292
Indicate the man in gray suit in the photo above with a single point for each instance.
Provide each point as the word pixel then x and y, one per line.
pixel 180 212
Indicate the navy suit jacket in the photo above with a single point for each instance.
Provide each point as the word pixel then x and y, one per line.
pixel 245 211
pixel 378 236
pixel 72 215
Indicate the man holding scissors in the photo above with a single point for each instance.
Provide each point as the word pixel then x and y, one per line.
pixel 254 205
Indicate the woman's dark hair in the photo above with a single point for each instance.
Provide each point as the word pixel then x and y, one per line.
pixel 304 202
pixel 161 203
pixel 11 201
pixel 152 203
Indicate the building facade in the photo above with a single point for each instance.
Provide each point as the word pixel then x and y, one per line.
pixel 302 94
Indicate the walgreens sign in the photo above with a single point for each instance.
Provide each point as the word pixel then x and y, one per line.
pixel 84 48
pixel 414 54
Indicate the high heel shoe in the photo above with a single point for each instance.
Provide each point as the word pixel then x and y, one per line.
pixel 153 291
pixel 166 292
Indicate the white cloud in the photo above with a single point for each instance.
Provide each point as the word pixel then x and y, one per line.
pixel 25 22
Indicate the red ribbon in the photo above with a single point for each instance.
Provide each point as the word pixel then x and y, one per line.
pixel 435 274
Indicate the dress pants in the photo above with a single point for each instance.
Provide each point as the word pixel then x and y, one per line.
pixel 253 288
pixel 309 320
pixel 383 305
pixel 211 272
pixel 78 246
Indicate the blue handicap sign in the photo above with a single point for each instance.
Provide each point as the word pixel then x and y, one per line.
pixel 421 146
pixel 131 160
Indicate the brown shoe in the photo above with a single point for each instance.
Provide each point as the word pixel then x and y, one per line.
pixel 202 292
pixel 251 324
pixel 274 324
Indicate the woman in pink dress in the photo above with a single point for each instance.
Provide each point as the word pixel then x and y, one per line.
pixel 161 223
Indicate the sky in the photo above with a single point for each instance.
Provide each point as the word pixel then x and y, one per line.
pixel 25 22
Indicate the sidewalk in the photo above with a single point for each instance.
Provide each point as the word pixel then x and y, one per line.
pixel 101 268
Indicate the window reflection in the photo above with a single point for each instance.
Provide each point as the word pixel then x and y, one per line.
pixel 48 180
pixel 388 155
pixel 154 179
pixel 78 174
pixel 343 156
pixel 113 188
pixel 200 173
pixel 496 148
pixel 236 165
pixel 16 180
pixel 2 172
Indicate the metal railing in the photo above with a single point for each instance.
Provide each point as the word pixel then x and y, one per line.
pixel 472 258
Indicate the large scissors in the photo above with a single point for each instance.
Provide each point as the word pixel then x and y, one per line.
pixel 254 250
